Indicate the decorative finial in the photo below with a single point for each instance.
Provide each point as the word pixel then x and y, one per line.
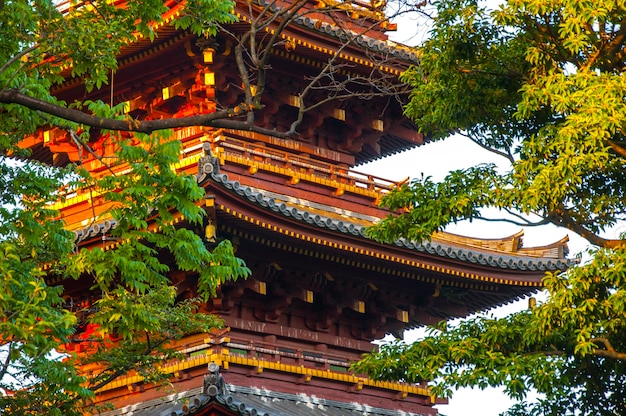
pixel 213 382
pixel 208 164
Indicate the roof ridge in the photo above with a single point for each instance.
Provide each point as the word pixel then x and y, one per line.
pixel 492 258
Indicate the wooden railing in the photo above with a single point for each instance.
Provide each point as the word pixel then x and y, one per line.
pixel 303 164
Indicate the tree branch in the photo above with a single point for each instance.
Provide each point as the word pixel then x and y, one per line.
pixel 511 221
pixel 563 219
pixel 218 119
pixel 507 155
pixel 609 352
pixel 617 148
pixel 17 57
pixel 7 362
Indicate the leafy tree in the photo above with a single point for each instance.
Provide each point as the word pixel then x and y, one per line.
pixel 138 313
pixel 540 83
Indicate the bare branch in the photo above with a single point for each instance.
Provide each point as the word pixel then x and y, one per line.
pixel 610 354
pixel 82 145
pixel 7 362
pixel 512 221
pixel 17 57
pixel 562 218
pixel 507 155
pixel 617 148
pixel 215 119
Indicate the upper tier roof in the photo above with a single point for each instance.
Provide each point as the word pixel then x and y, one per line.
pixel 305 205
pixel 296 189
pixel 500 253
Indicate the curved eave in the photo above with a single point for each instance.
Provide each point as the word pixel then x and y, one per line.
pixel 253 206
pixel 512 243
pixel 389 145
pixel 318 31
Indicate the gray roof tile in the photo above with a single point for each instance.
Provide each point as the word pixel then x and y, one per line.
pixel 503 261
pixel 252 401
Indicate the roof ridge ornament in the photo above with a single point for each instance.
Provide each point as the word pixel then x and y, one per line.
pixel 208 164
pixel 214 384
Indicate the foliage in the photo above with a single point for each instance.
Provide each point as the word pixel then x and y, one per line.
pixel 143 326
pixel 568 349
pixel 136 306
pixel 540 83
pixel 138 313
pixel 520 83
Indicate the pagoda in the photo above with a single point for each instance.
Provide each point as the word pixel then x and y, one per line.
pixel 296 208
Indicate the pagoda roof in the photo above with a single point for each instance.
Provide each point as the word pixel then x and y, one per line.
pixel 244 401
pixel 318 38
pixel 504 256
pixel 471 250
pixel 297 207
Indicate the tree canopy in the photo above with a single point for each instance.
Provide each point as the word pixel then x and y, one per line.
pixel 138 313
pixel 540 83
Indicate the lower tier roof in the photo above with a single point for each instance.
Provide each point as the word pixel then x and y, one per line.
pixel 225 399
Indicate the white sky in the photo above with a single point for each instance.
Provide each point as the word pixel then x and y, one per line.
pixel 457 152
